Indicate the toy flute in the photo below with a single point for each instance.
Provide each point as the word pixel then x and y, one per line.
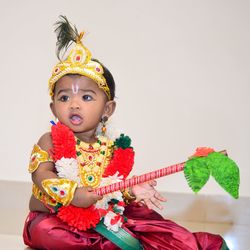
pixel 197 170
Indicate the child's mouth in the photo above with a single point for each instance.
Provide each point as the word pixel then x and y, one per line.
pixel 76 119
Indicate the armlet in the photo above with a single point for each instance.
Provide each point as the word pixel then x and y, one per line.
pixel 38 156
pixel 61 190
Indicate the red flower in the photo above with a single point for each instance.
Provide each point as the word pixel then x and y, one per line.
pixel 202 151
pixel 115 219
pixel 121 203
pixel 80 218
pixel 102 212
pixel 63 142
pixel 123 161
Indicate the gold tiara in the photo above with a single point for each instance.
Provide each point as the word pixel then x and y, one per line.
pixel 79 62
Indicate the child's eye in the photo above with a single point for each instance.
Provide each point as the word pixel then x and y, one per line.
pixel 64 98
pixel 87 98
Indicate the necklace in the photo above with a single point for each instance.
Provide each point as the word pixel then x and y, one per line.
pixel 93 159
pixel 97 164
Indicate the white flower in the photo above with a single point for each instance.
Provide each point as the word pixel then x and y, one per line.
pixel 112 132
pixel 121 208
pixel 103 203
pixel 107 221
pixel 68 168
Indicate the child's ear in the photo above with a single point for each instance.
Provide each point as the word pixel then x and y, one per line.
pixel 109 108
pixel 52 107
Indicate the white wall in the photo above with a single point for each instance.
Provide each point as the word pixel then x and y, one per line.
pixel 181 68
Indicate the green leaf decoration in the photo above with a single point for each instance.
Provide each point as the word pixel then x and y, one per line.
pixel 226 172
pixel 123 142
pixel 197 173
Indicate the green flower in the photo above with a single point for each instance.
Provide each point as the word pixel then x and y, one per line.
pixel 123 142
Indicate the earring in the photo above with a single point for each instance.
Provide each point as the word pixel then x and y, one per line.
pixel 103 121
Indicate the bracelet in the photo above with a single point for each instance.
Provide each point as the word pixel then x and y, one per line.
pixel 128 198
pixel 38 156
pixel 61 190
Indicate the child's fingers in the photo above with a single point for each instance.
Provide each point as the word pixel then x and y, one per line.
pixel 148 203
pixel 152 183
pixel 89 189
pixel 99 197
pixel 156 203
pixel 159 197
pixel 96 197
pixel 153 202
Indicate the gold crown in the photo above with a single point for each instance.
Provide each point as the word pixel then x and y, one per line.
pixel 79 62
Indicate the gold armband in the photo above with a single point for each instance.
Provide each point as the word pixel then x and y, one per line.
pixel 61 190
pixel 128 198
pixel 37 156
pixel 43 197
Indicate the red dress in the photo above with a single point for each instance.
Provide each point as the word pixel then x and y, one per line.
pixel 47 231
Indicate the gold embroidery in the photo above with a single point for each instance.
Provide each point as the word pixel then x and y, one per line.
pixel 37 156
pixel 93 159
pixel 61 190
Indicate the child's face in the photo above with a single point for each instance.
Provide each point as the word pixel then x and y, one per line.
pixel 80 104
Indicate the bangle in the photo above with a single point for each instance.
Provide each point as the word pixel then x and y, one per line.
pixel 127 196
pixel 61 190
pixel 43 197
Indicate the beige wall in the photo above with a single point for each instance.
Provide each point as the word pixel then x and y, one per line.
pixel 181 68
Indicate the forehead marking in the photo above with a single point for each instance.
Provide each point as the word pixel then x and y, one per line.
pixel 75 88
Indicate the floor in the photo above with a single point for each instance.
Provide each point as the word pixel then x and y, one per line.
pixel 217 215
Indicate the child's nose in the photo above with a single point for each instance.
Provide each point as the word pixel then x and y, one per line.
pixel 74 104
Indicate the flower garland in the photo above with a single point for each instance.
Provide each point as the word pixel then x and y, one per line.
pixel 111 207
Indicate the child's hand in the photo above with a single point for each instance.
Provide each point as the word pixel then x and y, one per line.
pixel 85 197
pixel 146 193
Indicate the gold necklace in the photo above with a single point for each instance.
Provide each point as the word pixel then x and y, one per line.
pixel 93 159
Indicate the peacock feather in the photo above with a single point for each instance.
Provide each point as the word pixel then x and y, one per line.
pixel 66 35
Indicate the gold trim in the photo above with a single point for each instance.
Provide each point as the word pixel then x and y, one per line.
pixel 79 62
pixel 61 190
pixel 127 197
pixel 43 197
pixel 38 156
pixel 93 159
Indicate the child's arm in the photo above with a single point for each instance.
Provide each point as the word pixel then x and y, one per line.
pixel 47 181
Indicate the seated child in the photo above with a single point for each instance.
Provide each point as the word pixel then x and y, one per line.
pixel 67 164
